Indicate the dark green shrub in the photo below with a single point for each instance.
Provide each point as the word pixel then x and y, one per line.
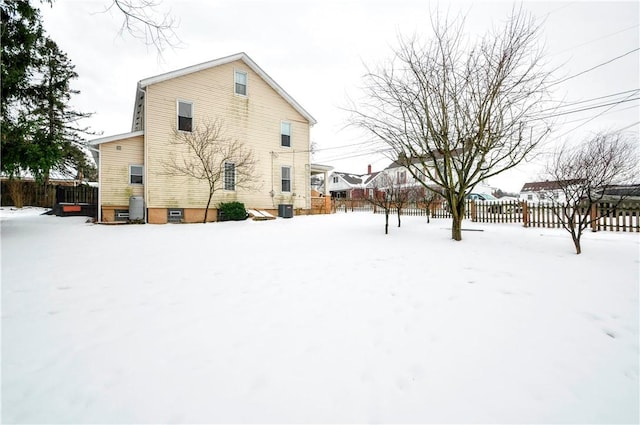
pixel 231 211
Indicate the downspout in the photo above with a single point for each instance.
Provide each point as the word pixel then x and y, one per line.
pixel 99 184
pixel 146 162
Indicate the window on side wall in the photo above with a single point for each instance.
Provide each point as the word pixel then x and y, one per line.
pixel 285 134
pixel 286 179
pixel 185 116
pixel 240 80
pixel 335 179
pixel 135 174
pixel 229 176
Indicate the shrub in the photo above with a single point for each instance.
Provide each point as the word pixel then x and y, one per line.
pixel 231 211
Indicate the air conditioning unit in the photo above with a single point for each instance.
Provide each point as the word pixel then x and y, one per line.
pixel 285 210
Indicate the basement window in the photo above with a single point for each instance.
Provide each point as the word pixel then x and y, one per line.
pixel 175 215
pixel 121 215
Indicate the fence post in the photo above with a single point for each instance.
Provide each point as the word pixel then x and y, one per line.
pixel 593 215
pixel 525 213
pixel 474 217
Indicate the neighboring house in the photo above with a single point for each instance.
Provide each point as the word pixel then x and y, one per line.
pixel 545 191
pixel 628 192
pixel 253 108
pixel 400 175
pixel 349 185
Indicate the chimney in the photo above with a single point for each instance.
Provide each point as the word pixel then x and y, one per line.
pixel 369 169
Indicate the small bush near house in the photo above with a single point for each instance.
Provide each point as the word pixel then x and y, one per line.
pixel 231 211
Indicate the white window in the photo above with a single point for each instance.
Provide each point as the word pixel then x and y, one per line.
pixel 335 179
pixel 135 174
pixel 240 83
pixel 185 116
pixel 229 176
pixel 285 134
pixel 402 177
pixel 286 179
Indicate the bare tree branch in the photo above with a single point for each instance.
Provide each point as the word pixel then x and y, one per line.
pixel 143 20
pixel 206 154
pixel 455 113
pixel 581 176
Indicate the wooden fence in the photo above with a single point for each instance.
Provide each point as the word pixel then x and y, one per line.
pixel 624 217
pixel 77 195
pixel 47 197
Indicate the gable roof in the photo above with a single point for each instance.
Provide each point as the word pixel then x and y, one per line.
pixel 546 185
pixel 355 179
pixel 138 110
pixel 352 179
pixel 418 160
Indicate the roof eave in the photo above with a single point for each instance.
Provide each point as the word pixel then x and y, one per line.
pixel 114 138
pixel 222 61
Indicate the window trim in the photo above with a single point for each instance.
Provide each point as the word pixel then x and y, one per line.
pixel 141 174
pixel 224 180
pixel 282 133
pixel 189 102
pixel 246 85
pixel 282 180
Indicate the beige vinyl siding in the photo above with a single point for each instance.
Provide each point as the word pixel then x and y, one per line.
pixel 114 170
pixel 254 119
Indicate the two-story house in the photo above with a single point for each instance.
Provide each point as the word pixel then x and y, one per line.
pixel 544 191
pixel 350 185
pixel 252 108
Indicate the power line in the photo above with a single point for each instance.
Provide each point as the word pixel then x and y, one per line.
pixel 567 104
pixel 596 116
pixel 587 108
pixel 629 126
pixel 594 67
pixel 597 39
pixel 606 112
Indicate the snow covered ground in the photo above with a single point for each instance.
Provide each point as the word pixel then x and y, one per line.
pixel 315 319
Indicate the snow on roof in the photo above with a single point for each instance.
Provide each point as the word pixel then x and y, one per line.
pixel 138 112
pixel 545 185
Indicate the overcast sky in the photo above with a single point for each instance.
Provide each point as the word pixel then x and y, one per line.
pixel 316 50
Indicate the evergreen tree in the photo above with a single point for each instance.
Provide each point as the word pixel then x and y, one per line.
pixel 56 143
pixel 39 127
pixel 21 32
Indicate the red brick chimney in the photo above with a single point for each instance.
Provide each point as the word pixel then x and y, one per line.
pixel 369 169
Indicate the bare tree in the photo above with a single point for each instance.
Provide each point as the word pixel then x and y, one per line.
pixel 429 196
pixel 584 175
pixel 143 20
pixel 459 113
pixel 384 197
pixel 206 154
pixel 402 195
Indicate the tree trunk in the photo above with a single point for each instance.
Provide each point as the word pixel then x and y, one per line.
pixel 456 228
pixel 206 210
pixel 457 213
pixel 576 242
pixel 386 222
pixel 398 217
